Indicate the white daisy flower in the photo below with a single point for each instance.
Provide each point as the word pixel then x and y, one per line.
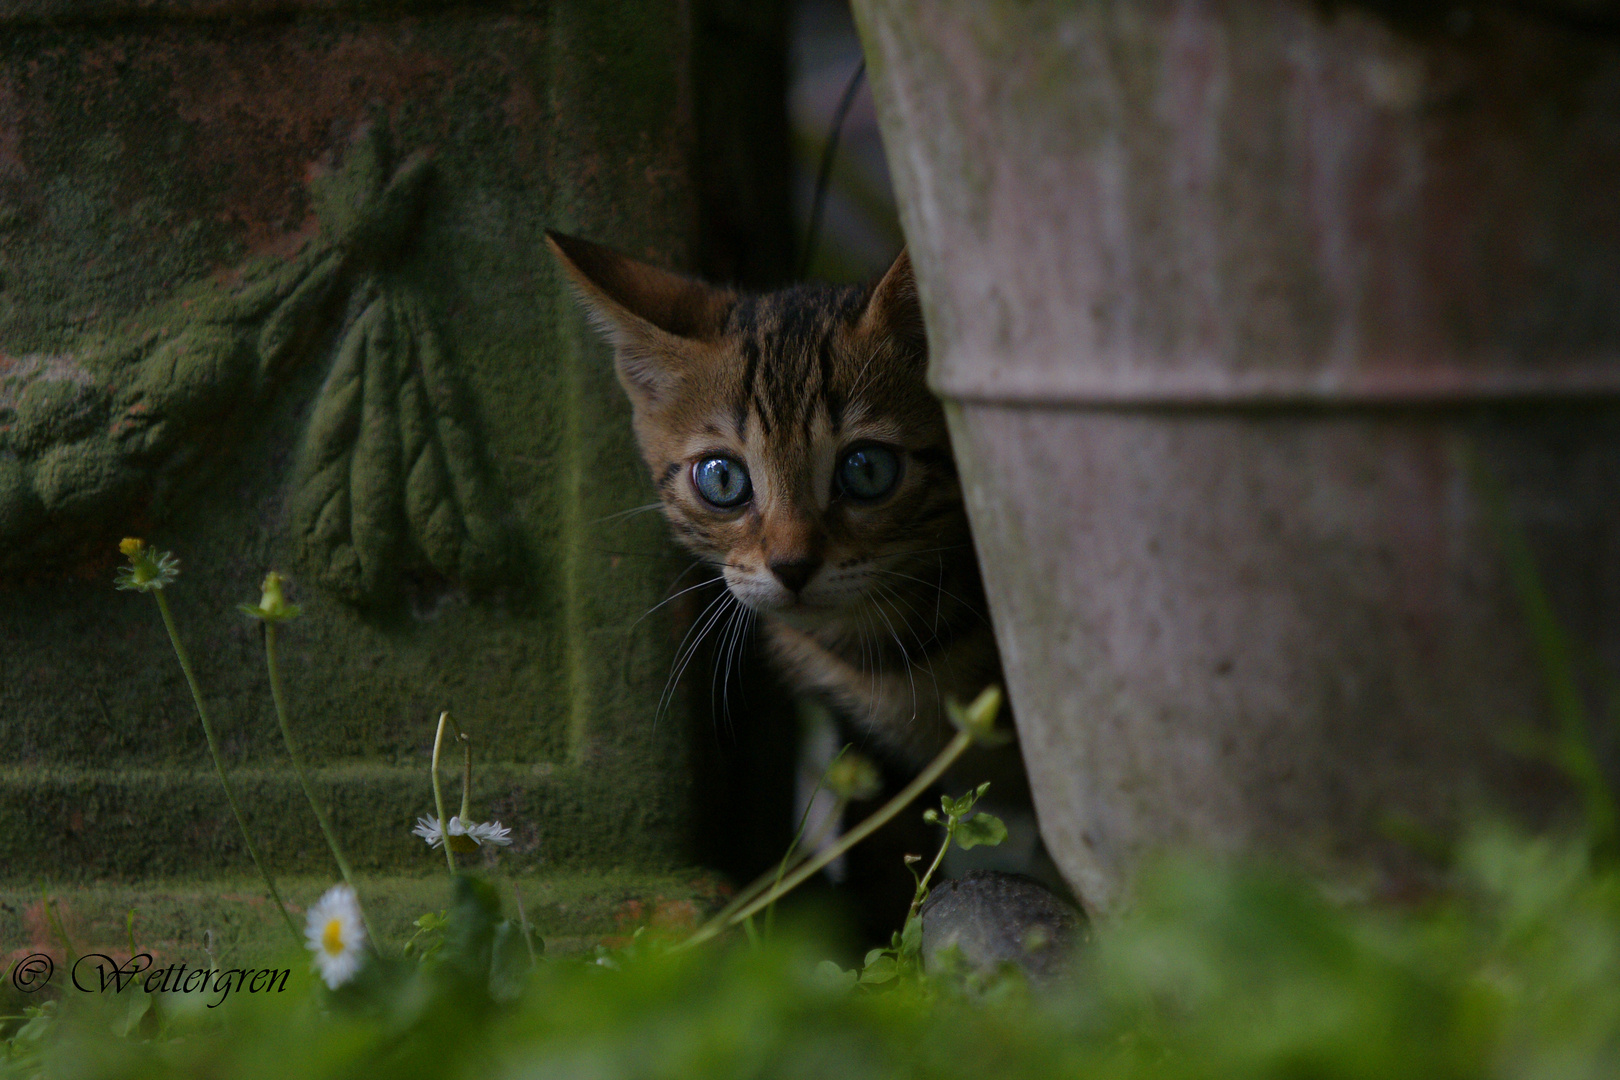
pixel 336 935
pixel 148 570
pixel 488 832
pixel 461 837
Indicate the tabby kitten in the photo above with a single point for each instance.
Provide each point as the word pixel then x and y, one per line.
pixel 797 448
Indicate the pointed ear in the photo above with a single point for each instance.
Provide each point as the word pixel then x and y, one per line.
pixel 651 316
pixel 894 309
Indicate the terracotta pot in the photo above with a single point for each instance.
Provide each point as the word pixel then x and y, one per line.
pixel 1231 303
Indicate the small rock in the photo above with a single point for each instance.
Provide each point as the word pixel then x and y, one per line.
pixel 992 920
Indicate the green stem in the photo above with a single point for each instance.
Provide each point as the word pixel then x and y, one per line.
pixel 438 796
pixel 466 776
pixel 769 879
pixel 219 765
pixel 936 768
pixel 922 883
pixel 523 924
pixel 303 778
pixel 833 818
pixel 53 920
pixel 798 834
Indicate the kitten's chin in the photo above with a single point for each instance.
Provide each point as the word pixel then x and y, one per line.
pixel 801 614
pixel 807 617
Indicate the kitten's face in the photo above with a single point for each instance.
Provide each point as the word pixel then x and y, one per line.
pixel 792 437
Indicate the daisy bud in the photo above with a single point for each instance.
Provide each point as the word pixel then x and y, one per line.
pixel 978 719
pixel 273 606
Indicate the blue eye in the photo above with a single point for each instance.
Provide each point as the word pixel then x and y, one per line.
pixel 869 472
pixel 722 481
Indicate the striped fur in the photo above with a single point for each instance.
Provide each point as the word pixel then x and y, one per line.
pixel 891 618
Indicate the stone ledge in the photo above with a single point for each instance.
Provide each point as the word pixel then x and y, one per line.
pixel 133 824
pixel 572 911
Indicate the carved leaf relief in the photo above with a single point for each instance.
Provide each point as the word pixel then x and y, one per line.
pixel 390 472
pixel 390 476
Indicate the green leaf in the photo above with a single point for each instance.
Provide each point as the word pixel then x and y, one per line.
pixel 508 962
pixel 981 828
pixel 41 1019
pixel 911 937
pixel 137 1004
pixel 834 977
pixel 881 970
pixel 470 934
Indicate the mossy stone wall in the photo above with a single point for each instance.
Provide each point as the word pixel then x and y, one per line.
pixel 273 293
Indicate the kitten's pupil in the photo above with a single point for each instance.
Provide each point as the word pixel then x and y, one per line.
pixel 722 481
pixel 869 472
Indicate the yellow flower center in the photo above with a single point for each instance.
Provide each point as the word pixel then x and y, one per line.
pixel 332 936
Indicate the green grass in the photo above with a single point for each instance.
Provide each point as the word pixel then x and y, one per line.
pixel 1221 970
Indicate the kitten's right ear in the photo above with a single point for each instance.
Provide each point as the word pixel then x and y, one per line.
pixel 651 316
pixel 893 308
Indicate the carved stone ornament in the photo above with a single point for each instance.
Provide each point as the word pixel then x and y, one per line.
pixel 390 474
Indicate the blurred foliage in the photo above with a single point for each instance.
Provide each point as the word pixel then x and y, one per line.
pixel 1512 969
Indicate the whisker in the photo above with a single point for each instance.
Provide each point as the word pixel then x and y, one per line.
pixel 927 660
pixel 691 566
pixel 906 655
pixel 728 637
pixel 666 701
pixel 677 596
pixel 632 512
pixel 939 588
pixel 900 598
pixel 734 653
pixel 683 655
pixel 932 550
pixel 621 553
pixel 869 650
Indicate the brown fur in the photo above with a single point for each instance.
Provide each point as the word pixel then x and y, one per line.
pixel 892 617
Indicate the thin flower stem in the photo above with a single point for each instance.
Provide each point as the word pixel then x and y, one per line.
pixel 768 880
pixel 936 768
pixel 922 883
pixel 53 920
pixel 466 776
pixel 523 924
pixel 276 696
pixel 219 765
pixel 789 862
pixel 798 834
pixel 438 796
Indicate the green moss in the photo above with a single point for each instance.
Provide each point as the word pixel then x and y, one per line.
pixel 156 246
pixel 131 822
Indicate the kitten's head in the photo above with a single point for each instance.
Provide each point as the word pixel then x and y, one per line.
pixel 791 435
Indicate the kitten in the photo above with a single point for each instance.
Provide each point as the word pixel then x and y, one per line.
pixel 796 447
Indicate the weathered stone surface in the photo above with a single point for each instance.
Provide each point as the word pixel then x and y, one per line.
pixel 272 295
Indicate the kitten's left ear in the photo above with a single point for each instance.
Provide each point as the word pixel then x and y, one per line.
pixel 652 316
pixel 894 309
